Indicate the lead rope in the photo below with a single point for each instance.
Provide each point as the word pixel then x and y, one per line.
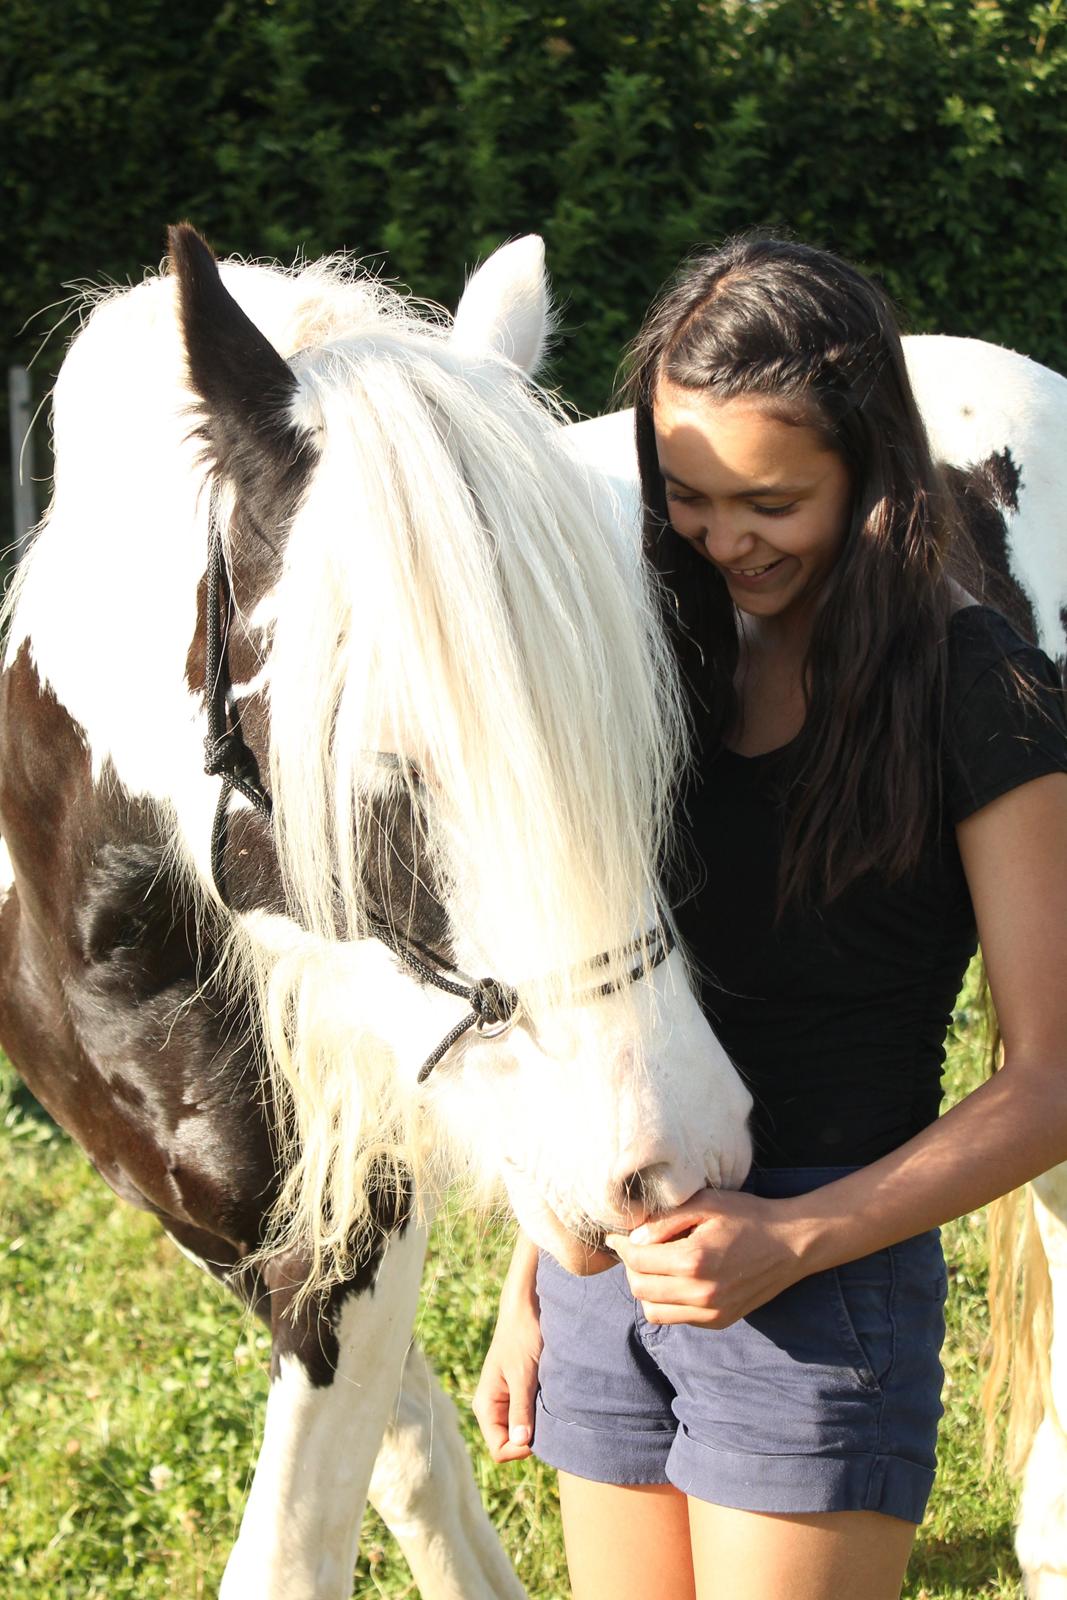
pixel 226 754
pixel 494 1005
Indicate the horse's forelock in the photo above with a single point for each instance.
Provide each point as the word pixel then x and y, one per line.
pixel 453 587
pixel 473 577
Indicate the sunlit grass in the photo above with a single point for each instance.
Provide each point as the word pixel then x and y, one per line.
pixel 133 1397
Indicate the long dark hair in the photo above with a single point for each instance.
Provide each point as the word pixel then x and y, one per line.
pixel 770 317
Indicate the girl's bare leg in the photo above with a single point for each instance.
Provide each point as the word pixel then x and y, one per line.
pixel 626 1542
pixel 749 1555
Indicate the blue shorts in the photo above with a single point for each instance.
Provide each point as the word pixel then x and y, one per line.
pixel 825 1399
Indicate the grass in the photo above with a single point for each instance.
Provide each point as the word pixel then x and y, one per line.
pixel 134 1395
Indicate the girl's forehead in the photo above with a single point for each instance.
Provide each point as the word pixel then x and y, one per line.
pixel 698 432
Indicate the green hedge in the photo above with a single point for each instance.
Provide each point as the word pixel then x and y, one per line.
pixel 925 139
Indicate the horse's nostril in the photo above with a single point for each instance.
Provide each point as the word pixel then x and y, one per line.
pixel 633 1188
pixel 639 1190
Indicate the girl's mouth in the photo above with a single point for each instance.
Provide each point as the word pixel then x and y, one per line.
pixel 754 577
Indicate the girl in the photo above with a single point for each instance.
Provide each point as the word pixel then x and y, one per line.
pixel 747 1405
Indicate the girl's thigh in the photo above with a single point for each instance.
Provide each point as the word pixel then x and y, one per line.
pixel 754 1555
pixel 626 1541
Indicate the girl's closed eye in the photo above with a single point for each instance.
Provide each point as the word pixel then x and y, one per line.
pixel 774 511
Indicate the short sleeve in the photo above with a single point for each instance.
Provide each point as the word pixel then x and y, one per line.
pixel 1006 721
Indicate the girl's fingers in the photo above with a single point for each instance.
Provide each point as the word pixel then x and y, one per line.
pixel 504 1408
pixel 683 1293
pixel 658 1260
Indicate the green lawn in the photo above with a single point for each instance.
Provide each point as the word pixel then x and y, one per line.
pixel 133 1394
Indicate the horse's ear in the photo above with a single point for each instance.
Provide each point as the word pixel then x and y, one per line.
pixel 505 306
pixel 245 388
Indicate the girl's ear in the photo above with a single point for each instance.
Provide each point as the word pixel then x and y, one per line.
pixel 504 309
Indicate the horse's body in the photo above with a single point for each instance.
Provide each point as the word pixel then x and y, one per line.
pixel 450 680
pixel 184 1035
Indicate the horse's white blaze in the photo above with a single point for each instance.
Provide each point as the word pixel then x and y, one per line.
pixel 504 308
pixel 423 1490
pixel 301 1525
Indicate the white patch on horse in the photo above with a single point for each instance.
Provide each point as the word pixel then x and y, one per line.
pixel 423 1490
pixel 7 872
pixel 607 445
pixel 301 1525
pixel 1018 405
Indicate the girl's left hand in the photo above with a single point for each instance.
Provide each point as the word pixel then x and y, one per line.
pixel 712 1261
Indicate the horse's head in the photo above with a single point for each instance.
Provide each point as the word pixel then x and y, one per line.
pixel 449 669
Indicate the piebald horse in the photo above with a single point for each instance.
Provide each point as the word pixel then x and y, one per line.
pixel 337 731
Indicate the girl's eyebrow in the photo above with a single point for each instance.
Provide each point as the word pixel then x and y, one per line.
pixel 743 494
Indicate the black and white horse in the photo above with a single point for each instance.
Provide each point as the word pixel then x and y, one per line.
pixel 405 920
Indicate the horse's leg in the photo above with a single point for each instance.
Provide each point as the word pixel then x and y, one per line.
pixel 1041 1538
pixel 335 1374
pixel 424 1491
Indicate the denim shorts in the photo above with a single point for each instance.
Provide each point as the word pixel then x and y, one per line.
pixel 827 1398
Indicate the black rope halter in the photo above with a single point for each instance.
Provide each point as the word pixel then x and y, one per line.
pixel 494 1005
pixel 226 755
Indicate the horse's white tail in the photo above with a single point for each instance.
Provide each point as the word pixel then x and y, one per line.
pixel 1020 1333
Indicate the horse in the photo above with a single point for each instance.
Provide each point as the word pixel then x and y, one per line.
pixel 337 733
pixel 996 420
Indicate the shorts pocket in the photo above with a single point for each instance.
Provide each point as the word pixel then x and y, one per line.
pixel 863 1293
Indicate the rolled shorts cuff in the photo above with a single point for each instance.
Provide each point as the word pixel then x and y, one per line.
pixel 638 1456
pixel 785 1483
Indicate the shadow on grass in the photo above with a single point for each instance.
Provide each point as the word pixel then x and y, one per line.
pixel 975 1563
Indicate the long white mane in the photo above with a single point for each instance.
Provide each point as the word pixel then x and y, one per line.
pixel 455 589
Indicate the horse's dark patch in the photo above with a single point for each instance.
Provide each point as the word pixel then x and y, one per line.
pixel 106 977
pixel 1001 472
pixel 986 491
pixel 400 872
pixel 253 882
pixel 112 1012
pixel 246 390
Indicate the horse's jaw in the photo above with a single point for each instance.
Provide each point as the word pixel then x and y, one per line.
pixel 547 1231
pixel 620 1110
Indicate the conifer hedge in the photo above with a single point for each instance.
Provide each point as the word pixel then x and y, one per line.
pixel 925 138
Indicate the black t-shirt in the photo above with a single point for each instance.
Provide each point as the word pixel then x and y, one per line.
pixel 836 1018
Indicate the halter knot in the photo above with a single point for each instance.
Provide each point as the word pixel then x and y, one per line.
pixel 226 755
pixel 494 1005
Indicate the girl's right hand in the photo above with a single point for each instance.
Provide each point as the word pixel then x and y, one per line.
pixel 504 1399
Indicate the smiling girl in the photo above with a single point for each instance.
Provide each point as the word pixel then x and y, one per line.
pixel 747 1406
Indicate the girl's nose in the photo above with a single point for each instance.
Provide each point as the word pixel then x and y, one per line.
pixel 724 542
